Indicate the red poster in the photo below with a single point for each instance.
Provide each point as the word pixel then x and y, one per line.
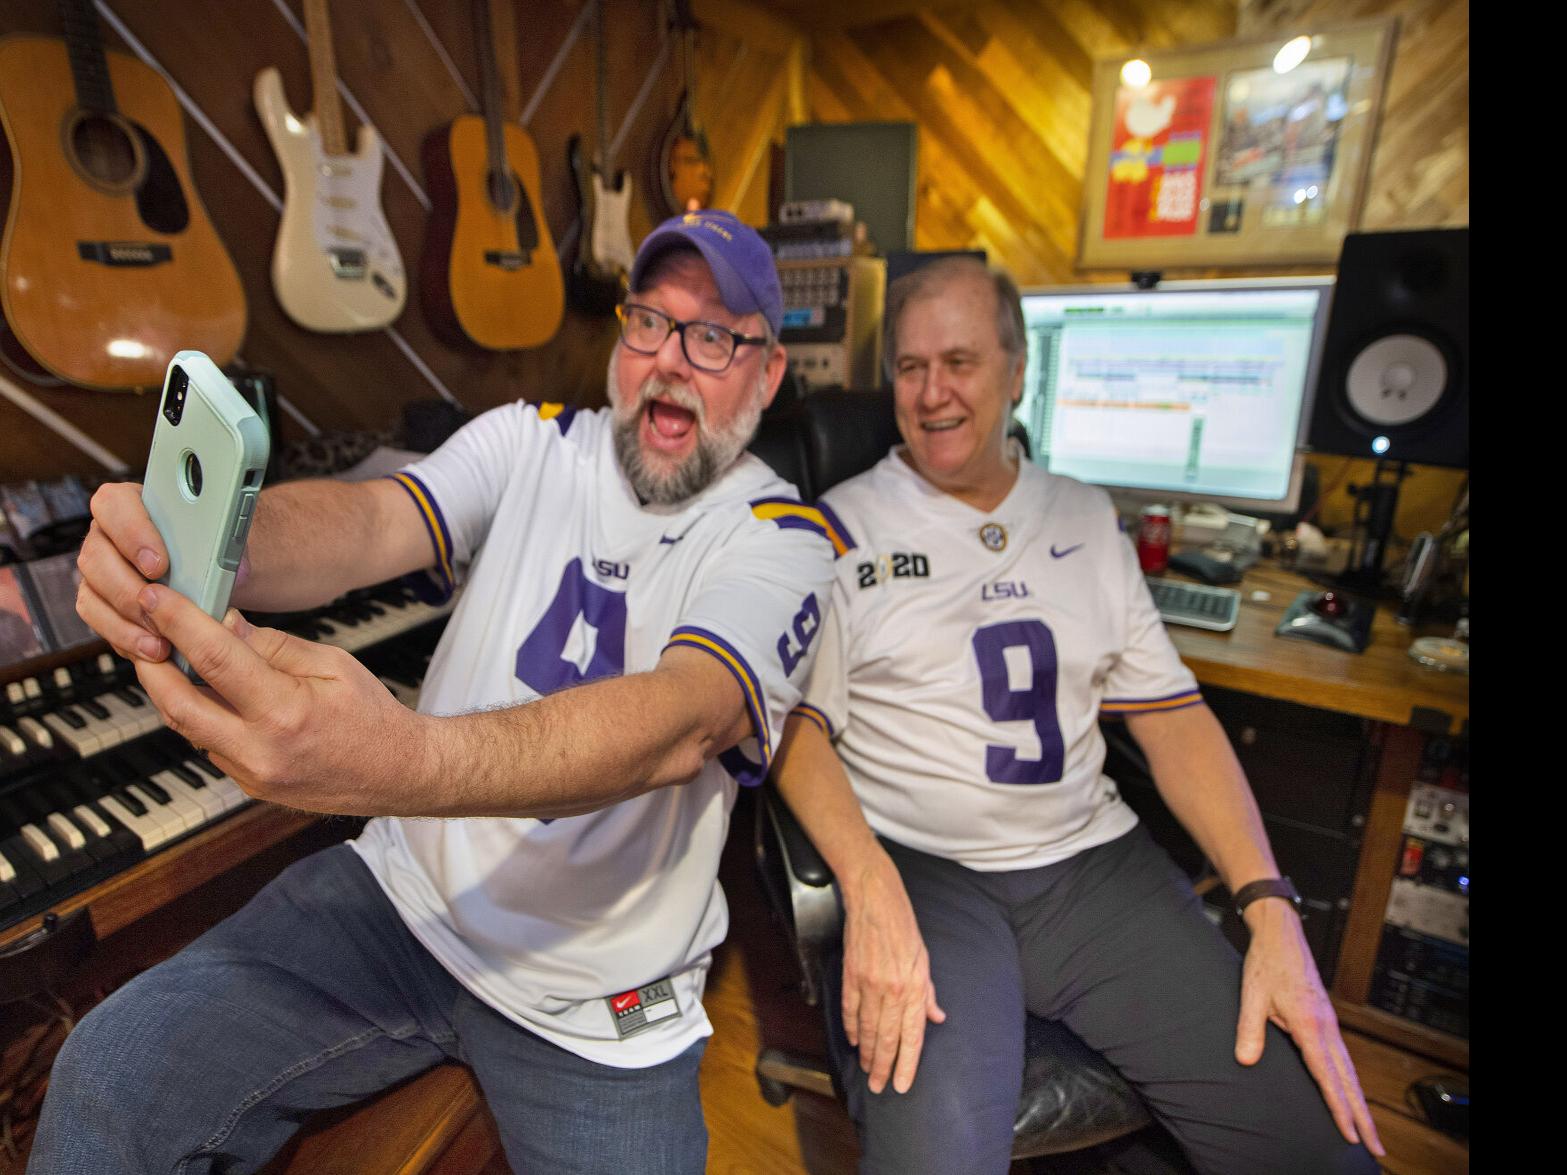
pixel 1157 151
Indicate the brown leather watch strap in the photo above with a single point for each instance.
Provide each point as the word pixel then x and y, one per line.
pixel 1266 887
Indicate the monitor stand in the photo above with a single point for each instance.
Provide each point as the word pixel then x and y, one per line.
pixel 1376 502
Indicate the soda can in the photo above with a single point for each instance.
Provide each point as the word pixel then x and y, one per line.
pixel 1153 540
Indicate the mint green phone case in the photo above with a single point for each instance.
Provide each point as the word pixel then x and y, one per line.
pixel 209 451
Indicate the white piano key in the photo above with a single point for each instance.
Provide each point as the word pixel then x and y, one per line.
pixel 62 677
pixel 188 815
pixel 32 689
pixel 151 719
pixel 60 824
pixel 105 664
pixel 36 733
pixel 14 693
pixel 162 815
pixel 228 791
pixel 38 840
pixel 151 833
pixel 205 808
pixel 12 741
pixel 90 820
pixel 125 721
pixel 82 740
pixel 7 870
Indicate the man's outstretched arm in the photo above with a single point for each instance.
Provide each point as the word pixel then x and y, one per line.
pixel 308 726
pixel 1200 779
pixel 887 991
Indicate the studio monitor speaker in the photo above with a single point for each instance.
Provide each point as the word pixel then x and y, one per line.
pixel 1395 364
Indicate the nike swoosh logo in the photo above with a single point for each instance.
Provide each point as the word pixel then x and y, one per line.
pixel 622 1002
pixel 664 538
pixel 1055 554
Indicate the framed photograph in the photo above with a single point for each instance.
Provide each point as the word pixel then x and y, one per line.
pixel 1242 153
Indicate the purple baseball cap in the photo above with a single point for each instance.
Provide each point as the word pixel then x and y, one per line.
pixel 740 260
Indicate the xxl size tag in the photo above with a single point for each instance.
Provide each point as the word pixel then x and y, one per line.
pixel 633 1011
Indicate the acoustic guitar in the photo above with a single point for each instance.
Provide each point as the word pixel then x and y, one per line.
pixel 335 264
pixel 490 275
pixel 109 264
pixel 683 163
pixel 604 253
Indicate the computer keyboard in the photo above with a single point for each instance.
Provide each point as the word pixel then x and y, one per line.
pixel 1195 604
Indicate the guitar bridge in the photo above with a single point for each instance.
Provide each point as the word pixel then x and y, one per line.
pixel 508 259
pixel 348 264
pixel 138 254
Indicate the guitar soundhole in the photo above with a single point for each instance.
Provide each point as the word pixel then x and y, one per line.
pixel 104 151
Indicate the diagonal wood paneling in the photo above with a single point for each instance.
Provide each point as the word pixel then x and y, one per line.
pixel 1001 93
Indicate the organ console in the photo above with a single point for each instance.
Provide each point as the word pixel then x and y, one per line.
pixel 92 783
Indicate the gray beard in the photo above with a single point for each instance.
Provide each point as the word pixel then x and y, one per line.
pixel 715 451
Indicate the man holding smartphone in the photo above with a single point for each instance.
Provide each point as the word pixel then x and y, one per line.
pixel 638 612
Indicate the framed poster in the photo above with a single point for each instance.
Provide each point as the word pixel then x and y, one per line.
pixel 1224 158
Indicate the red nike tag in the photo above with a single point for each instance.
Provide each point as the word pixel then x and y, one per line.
pixel 621 1002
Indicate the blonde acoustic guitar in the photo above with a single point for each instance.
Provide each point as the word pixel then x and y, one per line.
pixel 109 264
pixel 335 265
pixel 489 275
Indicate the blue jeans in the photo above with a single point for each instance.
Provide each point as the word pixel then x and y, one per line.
pixel 316 995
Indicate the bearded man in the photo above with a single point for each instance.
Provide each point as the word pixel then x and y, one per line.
pixel 639 603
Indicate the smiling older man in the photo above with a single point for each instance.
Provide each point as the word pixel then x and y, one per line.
pixel 1000 871
pixel 558 942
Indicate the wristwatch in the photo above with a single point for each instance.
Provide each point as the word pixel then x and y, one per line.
pixel 1267 887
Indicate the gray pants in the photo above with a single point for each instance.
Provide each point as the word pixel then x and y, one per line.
pixel 1113 943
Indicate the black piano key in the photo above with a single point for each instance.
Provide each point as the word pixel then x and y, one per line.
pixel 204 765
pixel 72 717
pixel 130 800
pixel 190 778
pixel 97 709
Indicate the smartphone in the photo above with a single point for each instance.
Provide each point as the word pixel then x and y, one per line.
pixel 209 453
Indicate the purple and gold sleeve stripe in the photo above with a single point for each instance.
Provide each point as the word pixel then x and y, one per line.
pixel 434 522
pixel 1146 705
pixel 750 687
pixel 811 714
pixel 793 514
pixel 561 414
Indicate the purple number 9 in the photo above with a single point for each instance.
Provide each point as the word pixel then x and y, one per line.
pixel 1036 703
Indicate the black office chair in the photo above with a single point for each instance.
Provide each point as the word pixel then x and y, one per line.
pixel 1072 1098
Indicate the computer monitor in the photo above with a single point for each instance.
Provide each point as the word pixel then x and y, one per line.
pixel 1193 391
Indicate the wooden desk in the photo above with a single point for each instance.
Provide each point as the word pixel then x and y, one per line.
pixel 1404 702
pixel 1382 683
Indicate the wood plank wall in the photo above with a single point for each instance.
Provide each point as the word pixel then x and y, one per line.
pixel 1001 93
pixel 1000 90
pixel 412 65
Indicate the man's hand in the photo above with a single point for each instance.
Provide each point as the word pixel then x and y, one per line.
pixel 887 991
pixel 290 721
pixel 1280 983
pixel 122 551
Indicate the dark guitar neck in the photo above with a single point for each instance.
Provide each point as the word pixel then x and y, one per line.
pixel 89 66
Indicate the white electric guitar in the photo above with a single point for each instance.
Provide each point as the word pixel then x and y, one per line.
pixel 335 265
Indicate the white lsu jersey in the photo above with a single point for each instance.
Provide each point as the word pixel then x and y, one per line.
pixel 594 931
pixel 968 655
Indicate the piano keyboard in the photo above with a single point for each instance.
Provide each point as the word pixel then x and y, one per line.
pixel 92 782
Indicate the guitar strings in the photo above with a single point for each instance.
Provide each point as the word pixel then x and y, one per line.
pixel 359 112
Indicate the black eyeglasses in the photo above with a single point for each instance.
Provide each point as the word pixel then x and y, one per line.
pixel 707 346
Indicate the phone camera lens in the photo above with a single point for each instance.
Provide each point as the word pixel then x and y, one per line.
pixel 174 401
pixel 193 475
